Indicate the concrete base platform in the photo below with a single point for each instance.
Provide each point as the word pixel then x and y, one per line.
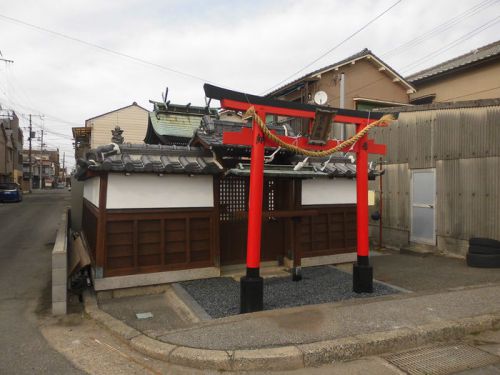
pixel 156 278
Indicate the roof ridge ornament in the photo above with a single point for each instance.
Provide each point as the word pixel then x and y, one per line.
pixel 117 135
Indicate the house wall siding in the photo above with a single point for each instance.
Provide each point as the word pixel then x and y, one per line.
pixel 363 79
pixel 475 83
pixel 133 120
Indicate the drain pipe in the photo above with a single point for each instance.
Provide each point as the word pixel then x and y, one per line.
pixel 342 103
pixel 380 206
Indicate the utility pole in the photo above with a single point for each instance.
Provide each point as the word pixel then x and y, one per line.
pixel 64 168
pixel 41 159
pixel 31 166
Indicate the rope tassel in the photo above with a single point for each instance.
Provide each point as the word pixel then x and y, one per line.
pixel 250 113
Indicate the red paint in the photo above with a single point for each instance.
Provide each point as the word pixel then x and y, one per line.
pixel 362 195
pixel 255 138
pixel 289 112
pixel 245 137
pixel 255 196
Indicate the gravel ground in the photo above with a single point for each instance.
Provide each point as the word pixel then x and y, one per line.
pixel 220 297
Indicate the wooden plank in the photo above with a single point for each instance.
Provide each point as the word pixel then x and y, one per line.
pixel 173 247
pixel 174 236
pixel 119 239
pixel 101 225
pixel 188 241
pixel 136 244
pixel 116 251
pixel 119 227
pixel 162 242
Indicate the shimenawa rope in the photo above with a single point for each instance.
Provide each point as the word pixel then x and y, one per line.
pixel 299 150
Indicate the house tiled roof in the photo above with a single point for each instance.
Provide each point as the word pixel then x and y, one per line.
pixel 361 54
pixel 478 55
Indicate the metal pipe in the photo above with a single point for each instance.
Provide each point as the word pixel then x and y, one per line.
pixel 342 104
pixel 380 206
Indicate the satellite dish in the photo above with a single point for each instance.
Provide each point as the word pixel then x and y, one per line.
pixel 320 97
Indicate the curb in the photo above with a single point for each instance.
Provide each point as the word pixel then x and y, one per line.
pixel 293 356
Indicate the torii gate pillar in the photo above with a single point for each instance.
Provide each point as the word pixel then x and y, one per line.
pixel 252 285
pixel 362 273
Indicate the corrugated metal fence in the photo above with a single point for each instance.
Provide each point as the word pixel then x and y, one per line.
pixel 463 144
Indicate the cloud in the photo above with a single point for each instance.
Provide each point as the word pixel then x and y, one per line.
pixel 239 44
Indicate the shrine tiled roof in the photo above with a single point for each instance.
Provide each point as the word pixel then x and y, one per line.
pixel 140 158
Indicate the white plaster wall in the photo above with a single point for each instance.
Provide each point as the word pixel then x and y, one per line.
pixel 153 191
pixel 328 191
pixel 91 190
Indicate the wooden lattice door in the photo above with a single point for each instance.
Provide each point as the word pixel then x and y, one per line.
pixel 233 216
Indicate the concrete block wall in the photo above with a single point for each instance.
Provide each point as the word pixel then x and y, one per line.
pixel 60 269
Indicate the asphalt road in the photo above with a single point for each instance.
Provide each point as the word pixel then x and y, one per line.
pixel 27 233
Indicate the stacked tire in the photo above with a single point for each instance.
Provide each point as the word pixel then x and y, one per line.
pixel 483 253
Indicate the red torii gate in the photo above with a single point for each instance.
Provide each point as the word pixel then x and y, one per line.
pixel 252 284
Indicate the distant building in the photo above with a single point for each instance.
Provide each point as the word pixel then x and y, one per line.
pixel 133 119
pixel 48 160
pixel 472 76
pixel 11 145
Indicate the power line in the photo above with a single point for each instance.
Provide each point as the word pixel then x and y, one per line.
pixel 336 46
pixel 472 93
pixel 452 44
pixel 105 49
pixel 440 28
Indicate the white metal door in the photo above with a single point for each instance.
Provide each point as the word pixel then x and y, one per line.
pixel 423 201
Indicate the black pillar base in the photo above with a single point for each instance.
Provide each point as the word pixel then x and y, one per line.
pixel 252 292
pixel 296 274
pixel 362 276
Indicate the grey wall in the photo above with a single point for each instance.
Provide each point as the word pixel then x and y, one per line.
pixel 76 204
pixel 463 145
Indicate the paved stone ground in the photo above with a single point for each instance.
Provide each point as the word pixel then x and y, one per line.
pixel 331 321
pixel 220 296
pixel 427 273
pixel 166 315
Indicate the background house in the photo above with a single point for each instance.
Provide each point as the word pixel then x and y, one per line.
pixel 361 81
pixel 11 145
pixel 474 75
pixel 133 119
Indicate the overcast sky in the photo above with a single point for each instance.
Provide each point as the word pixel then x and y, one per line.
pixel 244 45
